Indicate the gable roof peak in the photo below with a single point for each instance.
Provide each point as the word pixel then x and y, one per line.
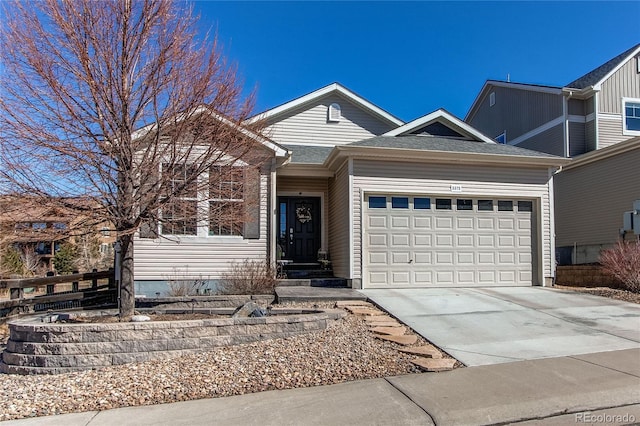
pixel 601 73
pixel 334 87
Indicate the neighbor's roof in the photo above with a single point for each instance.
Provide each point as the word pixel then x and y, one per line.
pixel 443 144
pixel 603 71
pixel 305 154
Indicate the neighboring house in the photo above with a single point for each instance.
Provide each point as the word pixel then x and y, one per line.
pixel 597 110
pixel 37 231
pixel 432 202
pixel 594 112
pixel 593 194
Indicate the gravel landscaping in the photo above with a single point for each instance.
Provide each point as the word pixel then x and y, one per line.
pixel 345 351
pixel 612 293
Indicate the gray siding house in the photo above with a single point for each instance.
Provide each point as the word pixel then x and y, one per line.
pixel 597 110
pixel 430 203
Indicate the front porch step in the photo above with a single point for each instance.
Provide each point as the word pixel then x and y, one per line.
pixel 294 282
pixel 316 294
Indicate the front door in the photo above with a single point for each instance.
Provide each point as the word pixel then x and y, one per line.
pixel 299 228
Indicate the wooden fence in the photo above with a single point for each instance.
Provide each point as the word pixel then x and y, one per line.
pixel 98 290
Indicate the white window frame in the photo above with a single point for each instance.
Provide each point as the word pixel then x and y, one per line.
pixel 626 131
pixel 183 198
pixel 239 201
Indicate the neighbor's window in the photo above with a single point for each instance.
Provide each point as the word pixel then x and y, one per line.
pixel 226 200
pixel 443 204
pixel 631 119
pixel 501 138
pixel 180 217
pixel 377 202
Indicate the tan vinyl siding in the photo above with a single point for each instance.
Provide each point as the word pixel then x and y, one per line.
pixel 591 199
pixel 623 83
pixel 610 131
pixel 516 111
pixel 550 141
pixel 339 222
pixel 305 187
pixel 194 257
pixel 435 179
pixel 577 144
pixel 308 124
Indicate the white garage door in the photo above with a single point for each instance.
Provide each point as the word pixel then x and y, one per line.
pixel 421 241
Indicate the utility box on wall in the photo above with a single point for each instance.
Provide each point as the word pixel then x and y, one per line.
pixel 631 220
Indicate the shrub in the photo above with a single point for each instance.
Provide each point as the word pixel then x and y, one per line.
pixel 11 262
pixel 65 258
pixel 623 262
pixel 249 277
pixel 185 287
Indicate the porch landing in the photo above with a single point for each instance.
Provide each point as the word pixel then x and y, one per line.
pixel 316 294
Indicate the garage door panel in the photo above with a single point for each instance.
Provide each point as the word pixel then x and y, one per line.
pixel 400 222
pixel 400 258
pixel 422 258
pixel 400 240
pixel 444 240
pixel 377 240
pixel 439 247
pixel 376 221
pixel 444 223
pixel 422 222
pixel 422 240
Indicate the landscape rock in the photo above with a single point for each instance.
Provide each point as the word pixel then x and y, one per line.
pixel 392 331
pixel 249 309
pixel 433 365
pixel 140 318
pixel 427 351
pixel 401 340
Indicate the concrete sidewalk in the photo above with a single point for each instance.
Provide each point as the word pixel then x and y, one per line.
pixel 594 388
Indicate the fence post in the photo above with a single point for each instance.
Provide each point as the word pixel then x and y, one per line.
pixel 112 279
pixel 94 282
pixel 51 288
pixel 74 284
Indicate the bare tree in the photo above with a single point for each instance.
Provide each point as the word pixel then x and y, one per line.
pixel 122 102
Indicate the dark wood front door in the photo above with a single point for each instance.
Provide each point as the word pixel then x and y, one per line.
pixel 299 228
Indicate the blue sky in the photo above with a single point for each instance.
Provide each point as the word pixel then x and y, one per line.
pixel 411 58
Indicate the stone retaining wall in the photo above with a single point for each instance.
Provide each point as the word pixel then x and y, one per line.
pixel 38 348
pixel 584 276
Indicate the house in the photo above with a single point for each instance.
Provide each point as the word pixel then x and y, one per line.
pixel 432 202
pixel 597 110
pixel 595 191
pixel 37 231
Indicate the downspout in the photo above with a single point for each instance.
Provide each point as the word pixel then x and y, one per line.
pixel 272 209
pixel 565 112
pixel 596 126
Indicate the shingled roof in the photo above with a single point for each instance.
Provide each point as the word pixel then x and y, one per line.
pixel 595 76
pixel 435 143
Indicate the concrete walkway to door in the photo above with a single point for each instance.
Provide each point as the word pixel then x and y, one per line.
pixel 482 326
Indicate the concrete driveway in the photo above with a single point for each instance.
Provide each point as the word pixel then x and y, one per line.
pixel 484 326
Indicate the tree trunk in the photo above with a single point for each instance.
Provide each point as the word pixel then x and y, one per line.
pixel 127 289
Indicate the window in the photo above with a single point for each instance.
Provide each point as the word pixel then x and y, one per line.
pixel 399 202
pixel 180 217
pixel 631 119
pixel 105 231
pixel 443 204
pixel 334 113
pixel 39 225
pixel 501 138
pixel 485 205
pixel 464 204
pixel 505 206
pixel 422 203
pixel 492 99
pixel 525 206
pixel 59 226
pixel 226 200
pixel 377 202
